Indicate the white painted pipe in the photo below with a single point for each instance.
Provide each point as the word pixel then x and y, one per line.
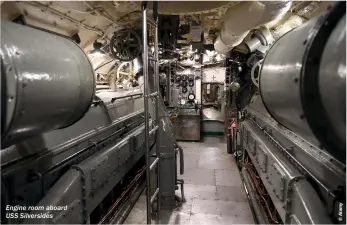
pixel 243 17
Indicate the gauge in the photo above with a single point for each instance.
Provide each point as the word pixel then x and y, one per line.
pixel 178 78
pixel 191 77
pixel 184 84
pixel 184 77
pixel 191 97
pixel 184 90
pixel 191 83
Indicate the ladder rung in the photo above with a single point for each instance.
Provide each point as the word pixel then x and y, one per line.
pixel 151 21
pixel 154 195
pixel 154 163
pixel 153 130
pixel 152 59
pixel 154 94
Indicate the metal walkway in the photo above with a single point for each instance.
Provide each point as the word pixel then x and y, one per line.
pixel 213 189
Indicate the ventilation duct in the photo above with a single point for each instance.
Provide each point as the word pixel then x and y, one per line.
pixel 243 17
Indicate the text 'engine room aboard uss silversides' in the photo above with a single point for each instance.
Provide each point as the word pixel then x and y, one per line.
pixel 173 112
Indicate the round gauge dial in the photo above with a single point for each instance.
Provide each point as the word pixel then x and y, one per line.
pixel 184 90
pixel 191 97
pixel 191 83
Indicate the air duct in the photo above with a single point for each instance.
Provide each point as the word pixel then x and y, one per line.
pixel 243 17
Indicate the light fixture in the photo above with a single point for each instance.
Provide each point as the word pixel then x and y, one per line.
pixel 97 49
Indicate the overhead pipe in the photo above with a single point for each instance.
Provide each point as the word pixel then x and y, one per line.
pixel 243 17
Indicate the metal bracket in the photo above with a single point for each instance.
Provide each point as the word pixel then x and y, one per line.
pixel 167 155
pixel 132 143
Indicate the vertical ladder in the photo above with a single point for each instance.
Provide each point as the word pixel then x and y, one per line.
pixel 149 96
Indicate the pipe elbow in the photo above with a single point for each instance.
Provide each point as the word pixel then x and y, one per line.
pixel 239 20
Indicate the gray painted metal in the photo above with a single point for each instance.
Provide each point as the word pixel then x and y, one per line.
pixel 280 80
pixel 86 184
pixel 166 144
pixel 327 169
pixel 285 162
pixel 28 177
pixel 326 172
pixel 332 79
pixel 309 79
pixel 287 186
pixel 187 125
pixel 66 192
pixel 48 80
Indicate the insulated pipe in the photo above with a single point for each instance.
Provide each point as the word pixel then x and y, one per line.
pixel 243 17
pixel 47 82
pixel 261 37
pixel 303 86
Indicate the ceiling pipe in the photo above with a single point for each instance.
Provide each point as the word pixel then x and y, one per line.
pixel 243 17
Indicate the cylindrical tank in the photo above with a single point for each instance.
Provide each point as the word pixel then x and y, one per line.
pixel 47 82
pixel 302 81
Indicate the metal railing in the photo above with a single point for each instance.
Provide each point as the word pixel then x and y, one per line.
pixel 149 96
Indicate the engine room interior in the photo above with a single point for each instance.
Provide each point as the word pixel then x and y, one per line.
pixel 173 112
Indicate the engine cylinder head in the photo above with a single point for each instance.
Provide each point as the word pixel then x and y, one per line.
pixel 296 87
pixel 47 82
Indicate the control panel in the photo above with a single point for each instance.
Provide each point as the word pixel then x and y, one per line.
pixel 182 89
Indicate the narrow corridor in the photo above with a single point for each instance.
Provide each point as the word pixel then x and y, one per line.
pixel 213 189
